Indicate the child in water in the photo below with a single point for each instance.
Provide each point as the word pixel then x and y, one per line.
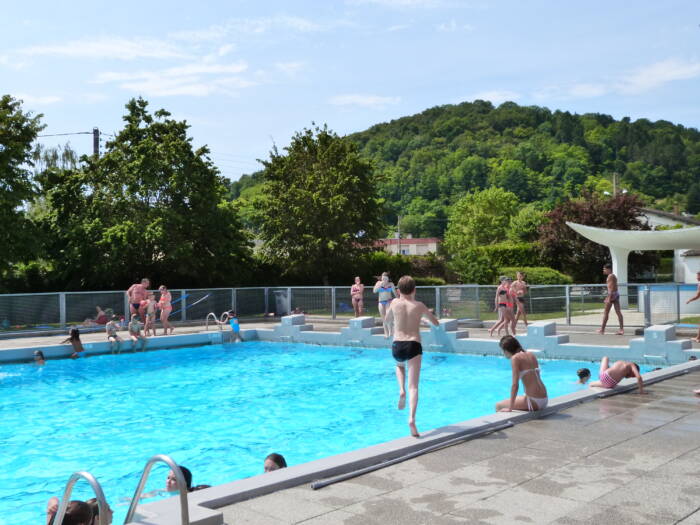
pixel 74 339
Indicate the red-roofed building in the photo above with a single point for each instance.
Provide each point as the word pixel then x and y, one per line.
pixel 410 246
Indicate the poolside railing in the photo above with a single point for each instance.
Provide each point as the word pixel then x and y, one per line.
pixel 576 304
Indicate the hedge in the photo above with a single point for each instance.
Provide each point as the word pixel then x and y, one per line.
pixel 537 274
pixel 511 254
pixel 429 281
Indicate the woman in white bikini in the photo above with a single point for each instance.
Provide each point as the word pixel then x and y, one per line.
pixel 526 369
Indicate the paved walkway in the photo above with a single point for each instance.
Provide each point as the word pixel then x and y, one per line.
pixel 623 459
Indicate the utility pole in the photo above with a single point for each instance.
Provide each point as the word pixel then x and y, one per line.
pixel 614 183
pixel 398 227
pixel 96 142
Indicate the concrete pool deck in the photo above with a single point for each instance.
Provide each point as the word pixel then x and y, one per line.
pixel 621 459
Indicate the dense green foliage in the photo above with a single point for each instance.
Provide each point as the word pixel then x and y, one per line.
pixel 431 159
pixel 564 249
pixel 17 132
pixel 511 254
pixel 151 206
pixel 317 208
pixel 537 274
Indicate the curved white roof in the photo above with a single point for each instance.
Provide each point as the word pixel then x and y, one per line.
pixel 641 239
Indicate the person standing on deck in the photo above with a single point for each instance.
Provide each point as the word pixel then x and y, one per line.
pixel 611 300
pixel 695 297
pixel 406 313
pixel 137 294
pixel 519 291
pixel 386 290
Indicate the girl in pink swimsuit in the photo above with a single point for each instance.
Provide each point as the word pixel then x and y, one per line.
pixel 356 294
pixel 166 307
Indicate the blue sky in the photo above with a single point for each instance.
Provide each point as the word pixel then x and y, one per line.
pixel 247 73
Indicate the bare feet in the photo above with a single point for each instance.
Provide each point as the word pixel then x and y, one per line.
pixel 697 392
pixel 600 331
pixel 696 339
pixel 402 401
pixel 414 430
pixel 620 332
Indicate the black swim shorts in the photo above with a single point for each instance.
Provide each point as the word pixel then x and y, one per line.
pixel 406 350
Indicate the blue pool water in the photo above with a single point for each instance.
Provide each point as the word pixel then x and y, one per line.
pixel 219 410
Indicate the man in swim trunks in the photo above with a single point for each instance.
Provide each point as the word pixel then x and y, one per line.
pixel 137 294
pixel 611 300
pixel 610 376
pixel 695 297
pixel 406 314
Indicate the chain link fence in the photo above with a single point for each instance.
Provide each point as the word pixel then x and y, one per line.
pixel 578 304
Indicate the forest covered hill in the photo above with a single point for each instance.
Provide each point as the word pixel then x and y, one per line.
pixel 425 162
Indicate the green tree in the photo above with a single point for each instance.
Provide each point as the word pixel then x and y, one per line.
pixel 565 250
pixel 478 218
pixel 17 132
pixel 151 206
pixel 524 225
pixel 319 207
pixel 694 199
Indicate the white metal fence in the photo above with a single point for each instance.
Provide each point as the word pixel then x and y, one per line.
pixel 579 304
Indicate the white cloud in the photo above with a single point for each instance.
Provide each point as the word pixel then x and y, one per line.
pixel 657 74
pixel 248 26
pixel 196 68
pixel 587 90
pixel 363 100
pixel 496 96
pixel 452 26
pixel 33 100
pixel 195 79
pixel 641 80
pixel 116 48
pixel 290 68
pixel 225 50
pixel 398 27
pixel 398 3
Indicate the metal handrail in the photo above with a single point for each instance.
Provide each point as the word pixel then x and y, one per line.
pixel 206 324
pixel 97 489
pixel 181 487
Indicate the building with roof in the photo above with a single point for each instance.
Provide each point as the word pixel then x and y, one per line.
pixel 410 245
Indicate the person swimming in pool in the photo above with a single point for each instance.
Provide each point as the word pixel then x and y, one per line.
pixel 406 313
pixel 526 369
pixel 386 290
pixel 74 339
pixel 584 375
pixel 610 376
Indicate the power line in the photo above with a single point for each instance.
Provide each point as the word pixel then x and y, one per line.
pixel 64 134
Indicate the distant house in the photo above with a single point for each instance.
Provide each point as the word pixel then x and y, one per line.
pixel 686 262
pixel 410 245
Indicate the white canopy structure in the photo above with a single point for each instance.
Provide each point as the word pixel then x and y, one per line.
pixel 622 242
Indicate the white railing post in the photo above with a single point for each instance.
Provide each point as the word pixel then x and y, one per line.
pixel 568 304
pixel 678 303
pixel 183 301
pixel 62 309
pixel 478 303
pixel 234 306
pixel 647 305
pixel 333 302
pixel 127 308
pixel 289 301
pixel 266 291
pixel 438 309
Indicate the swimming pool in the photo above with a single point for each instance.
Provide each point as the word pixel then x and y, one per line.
pixel 219 410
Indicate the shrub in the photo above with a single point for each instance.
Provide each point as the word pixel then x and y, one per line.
pixel 537 274
pixel 511 254
pixel 430 281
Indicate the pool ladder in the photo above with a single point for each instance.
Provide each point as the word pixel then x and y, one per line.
pixel 97 489
pixel 181 488
pixel 219 323
pixel 102 502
